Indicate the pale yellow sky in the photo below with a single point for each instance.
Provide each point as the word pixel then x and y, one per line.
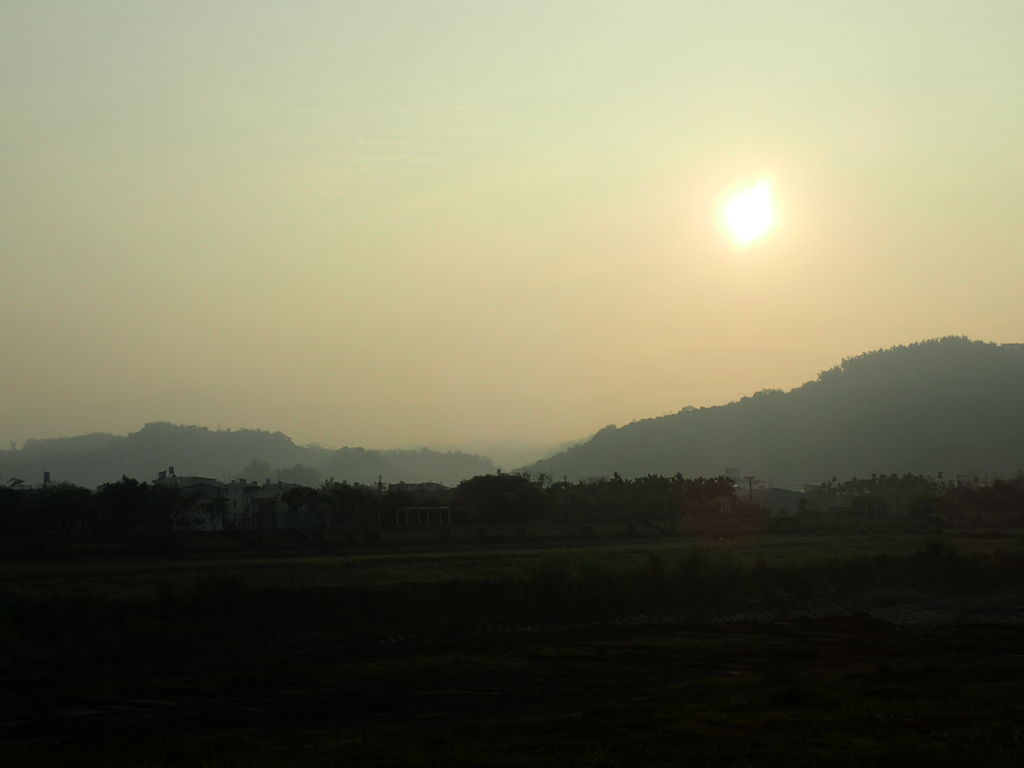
pixel 475 224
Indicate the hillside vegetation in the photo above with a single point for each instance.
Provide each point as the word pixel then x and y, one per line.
pixel 90 460
pixel 949 405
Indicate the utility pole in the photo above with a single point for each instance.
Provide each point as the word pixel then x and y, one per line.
pixel 565 498
pixel 750 488
pixel 380 494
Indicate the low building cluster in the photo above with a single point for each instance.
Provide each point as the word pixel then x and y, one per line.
pixel 237 505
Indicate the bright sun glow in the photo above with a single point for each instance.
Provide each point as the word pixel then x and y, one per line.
pixel 750 214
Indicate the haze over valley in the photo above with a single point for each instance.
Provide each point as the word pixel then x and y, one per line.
pixel 490 227
pixel 517 383
pixel 950 406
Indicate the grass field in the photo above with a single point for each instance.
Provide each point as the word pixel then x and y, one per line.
pixel 522 646
pixel 111 568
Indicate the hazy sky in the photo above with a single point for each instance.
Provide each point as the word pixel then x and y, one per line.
pixel 472 224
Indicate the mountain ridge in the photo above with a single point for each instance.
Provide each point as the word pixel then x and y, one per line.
pixel 93 459
pixel 948 405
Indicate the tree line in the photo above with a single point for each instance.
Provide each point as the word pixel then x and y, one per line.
pixel 918 496
pixel 126 506
pixel 519 498
pixel 130 506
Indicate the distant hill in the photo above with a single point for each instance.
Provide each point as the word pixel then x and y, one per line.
pixel 949 405
pixel 90 460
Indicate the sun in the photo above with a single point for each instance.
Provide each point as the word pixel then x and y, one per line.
pixel 750 214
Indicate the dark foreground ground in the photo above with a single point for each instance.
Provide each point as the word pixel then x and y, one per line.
pixel 812 648
pixel 849 690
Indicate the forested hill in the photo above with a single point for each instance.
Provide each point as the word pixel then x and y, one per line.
pixel 90 460
pixel 948 405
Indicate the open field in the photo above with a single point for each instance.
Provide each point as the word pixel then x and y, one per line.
pixel 836 692
pixel 822 646
pixel 126 567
